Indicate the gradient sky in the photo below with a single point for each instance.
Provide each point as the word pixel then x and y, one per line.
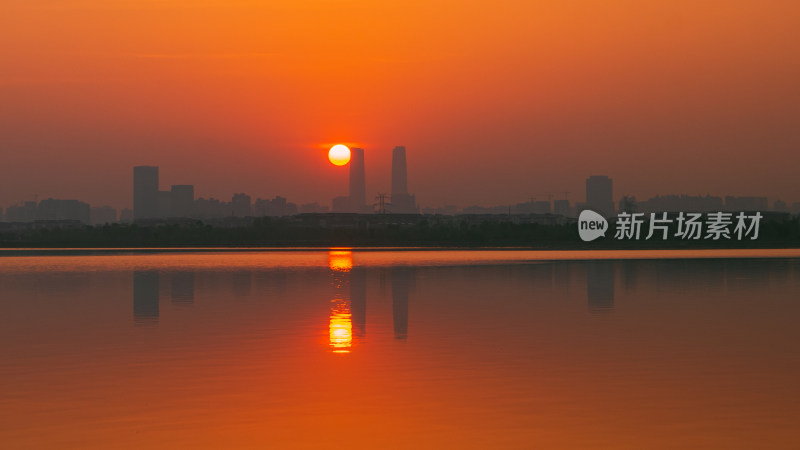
pixel 496 102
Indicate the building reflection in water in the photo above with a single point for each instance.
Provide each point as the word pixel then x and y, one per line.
pixel 340 325
pixel 145 297
pixel 358 301
pixel 182 288
pixel 401 281
pixel 600 286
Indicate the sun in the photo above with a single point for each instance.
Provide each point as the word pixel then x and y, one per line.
pixel 339 155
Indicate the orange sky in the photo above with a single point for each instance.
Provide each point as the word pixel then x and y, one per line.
pixel 496 102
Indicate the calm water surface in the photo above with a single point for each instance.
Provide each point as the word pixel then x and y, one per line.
pixel 392 349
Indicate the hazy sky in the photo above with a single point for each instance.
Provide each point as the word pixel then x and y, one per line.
pixel 496 102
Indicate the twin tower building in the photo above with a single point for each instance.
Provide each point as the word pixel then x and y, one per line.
pixel 400 202
pixel 151 203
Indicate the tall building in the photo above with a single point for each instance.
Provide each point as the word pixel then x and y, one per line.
pixel 145 192
pixel 402 202
pixel 182 200
pixel 358 187
pixel 399 171
pixel 599 195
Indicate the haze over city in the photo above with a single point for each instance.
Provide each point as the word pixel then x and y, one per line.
pixel 416 224
pixel 496 103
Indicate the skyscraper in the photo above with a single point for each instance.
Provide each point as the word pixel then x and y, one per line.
pixel 402 202
pixel 599 195
pixel 399 180
pixel 358 188
pixel 145 192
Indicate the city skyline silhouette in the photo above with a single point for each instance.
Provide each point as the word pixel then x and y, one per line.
pixel 666 98
pixel 150 201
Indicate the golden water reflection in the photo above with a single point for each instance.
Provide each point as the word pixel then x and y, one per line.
pixel 340 260
pixel 340 326
pixel 544 355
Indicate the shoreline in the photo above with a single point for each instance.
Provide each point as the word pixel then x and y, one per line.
pixel 534 254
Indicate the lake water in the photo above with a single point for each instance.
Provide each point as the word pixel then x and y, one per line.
pixel 400 349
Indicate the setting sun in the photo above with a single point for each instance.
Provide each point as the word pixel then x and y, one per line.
pixel 339 155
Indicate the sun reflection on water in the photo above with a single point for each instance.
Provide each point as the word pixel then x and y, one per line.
pixel 340 260
pixel 340 327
